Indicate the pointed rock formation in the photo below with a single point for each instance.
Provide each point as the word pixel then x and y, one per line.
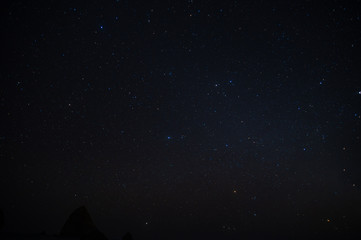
pixel 80 225
pixel 127 236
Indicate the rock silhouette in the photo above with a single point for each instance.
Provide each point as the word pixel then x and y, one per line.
pixel 127 236
pixel 80 225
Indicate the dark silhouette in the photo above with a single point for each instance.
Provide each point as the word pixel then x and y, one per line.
pixel 80 225
pixel 127 236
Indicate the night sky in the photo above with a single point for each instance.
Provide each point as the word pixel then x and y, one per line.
pixel 182 119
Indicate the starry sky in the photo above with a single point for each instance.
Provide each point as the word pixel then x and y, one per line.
pixel 182 119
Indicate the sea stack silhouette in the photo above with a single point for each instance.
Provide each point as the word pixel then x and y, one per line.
pixel 127 236
pixel 80 225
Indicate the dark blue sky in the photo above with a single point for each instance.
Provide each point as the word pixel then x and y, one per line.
pixel 194 118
